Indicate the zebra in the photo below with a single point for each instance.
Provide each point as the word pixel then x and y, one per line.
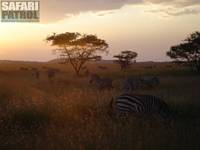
pixel 130 85
pixel 24 68
pixel 140 105
pixel 35 73
pixel 101 83
pixel 102 67
pixel 51 73
pixel 150 81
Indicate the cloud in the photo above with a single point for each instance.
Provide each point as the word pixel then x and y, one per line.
pixel 104 13
pixel 160 1
pixel 184 12
pixel 176 7
pixel 53 10
pixel 175 3
pixel 167 12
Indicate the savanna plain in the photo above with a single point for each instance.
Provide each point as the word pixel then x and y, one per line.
pixel 67 112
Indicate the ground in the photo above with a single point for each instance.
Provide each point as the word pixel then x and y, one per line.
pixel 68 113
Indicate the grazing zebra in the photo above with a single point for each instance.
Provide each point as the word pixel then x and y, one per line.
pixel 149 81
pixel 101 83
pixel 102 67
pixel 37 74
pixel 24 69
pixel 140 104
pixel 131 85
pixel 51 73
pixel 148 67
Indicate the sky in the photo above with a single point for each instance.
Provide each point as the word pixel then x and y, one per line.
pixel 148 27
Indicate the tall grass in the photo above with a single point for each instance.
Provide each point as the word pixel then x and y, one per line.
pixel 70 114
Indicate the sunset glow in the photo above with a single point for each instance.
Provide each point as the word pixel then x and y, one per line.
pixel 148 28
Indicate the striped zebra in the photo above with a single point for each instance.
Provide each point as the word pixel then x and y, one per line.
pixel 130 85
pixel 101 83
pixel 140 104
pixel 150 81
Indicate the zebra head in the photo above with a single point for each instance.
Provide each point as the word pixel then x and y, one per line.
pixel 166 116
pixel 164 111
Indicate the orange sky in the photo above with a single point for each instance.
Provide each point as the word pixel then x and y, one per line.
pixel 148 27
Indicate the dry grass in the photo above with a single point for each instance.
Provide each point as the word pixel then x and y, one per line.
pixel 70 114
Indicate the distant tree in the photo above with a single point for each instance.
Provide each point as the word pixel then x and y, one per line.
pixel 125 59
pixel 188 51
pixel 77 49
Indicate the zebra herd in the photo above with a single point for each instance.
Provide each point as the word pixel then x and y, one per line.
pixel 132 84
pixel 131 103
pixel 36 73
pixel 128 85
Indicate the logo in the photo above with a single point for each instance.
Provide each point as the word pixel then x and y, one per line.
pixel 20 11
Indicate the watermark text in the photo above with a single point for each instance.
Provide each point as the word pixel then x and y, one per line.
pixel 20 11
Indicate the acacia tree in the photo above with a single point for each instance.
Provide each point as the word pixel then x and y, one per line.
pixel 77 49
pixel 188 51
pixel 125 59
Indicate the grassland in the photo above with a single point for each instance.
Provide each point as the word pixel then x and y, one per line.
pixel 68 113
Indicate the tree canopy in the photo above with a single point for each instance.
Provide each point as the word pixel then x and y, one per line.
pixel 125 59
pixel 77 48
pixel 188 51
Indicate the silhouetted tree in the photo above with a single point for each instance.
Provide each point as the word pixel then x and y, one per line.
pixel 77 48
pixel 125 59
pixel 188 51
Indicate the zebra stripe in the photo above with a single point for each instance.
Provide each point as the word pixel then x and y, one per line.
pixel 141 104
